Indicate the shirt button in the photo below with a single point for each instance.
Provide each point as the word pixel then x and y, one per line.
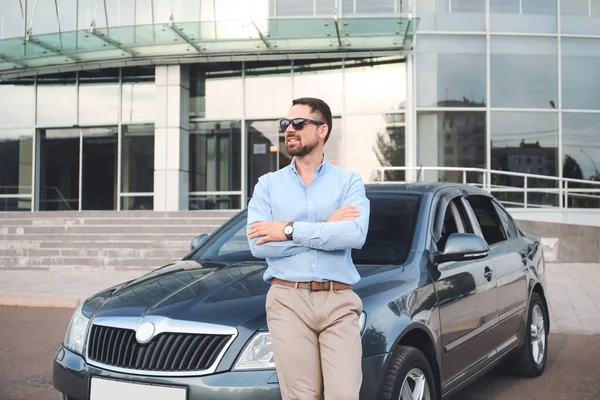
pixel 314 265
pixel 310 202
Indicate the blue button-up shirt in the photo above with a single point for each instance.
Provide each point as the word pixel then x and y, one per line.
pixel 320 250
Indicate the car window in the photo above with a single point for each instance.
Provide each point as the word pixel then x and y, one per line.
pixel 508 223
pixel 487 217
pixel 452 224
pixel 392 223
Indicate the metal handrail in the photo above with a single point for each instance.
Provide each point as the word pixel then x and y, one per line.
pixel 560 186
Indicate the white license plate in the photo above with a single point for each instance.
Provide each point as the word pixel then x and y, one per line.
pixel 105 389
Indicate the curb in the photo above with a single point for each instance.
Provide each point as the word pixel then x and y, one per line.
pixel 38 301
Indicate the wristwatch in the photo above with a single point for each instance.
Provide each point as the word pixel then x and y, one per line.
pixel 289 230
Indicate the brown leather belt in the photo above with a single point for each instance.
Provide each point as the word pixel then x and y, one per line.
pixel 313 286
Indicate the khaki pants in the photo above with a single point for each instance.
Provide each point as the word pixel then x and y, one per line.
pixel 316 342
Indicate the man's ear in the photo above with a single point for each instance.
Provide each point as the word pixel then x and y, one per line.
pixel 323 131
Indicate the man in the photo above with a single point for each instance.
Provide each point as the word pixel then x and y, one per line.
pixel 305 219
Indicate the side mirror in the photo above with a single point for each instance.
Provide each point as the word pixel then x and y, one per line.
pixel 198 240
pixel 463 246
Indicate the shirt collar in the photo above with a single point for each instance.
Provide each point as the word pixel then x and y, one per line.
pixel 318 171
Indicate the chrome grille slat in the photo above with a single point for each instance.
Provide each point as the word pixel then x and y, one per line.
pixel 168 352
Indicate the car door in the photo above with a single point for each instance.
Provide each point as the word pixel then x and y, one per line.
pixel 510 264
pixel 468 302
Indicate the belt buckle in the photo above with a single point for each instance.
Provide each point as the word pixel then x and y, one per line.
pixel 310 289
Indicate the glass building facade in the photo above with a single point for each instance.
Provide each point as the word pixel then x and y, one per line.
pixel 141 104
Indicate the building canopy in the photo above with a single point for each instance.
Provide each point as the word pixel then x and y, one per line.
pixel 174 39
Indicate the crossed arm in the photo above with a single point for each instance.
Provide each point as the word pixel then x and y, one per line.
pixel 344 229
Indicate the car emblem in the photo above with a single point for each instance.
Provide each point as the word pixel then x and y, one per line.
pixel 144 332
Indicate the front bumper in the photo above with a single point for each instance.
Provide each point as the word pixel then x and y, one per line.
pixel 72 377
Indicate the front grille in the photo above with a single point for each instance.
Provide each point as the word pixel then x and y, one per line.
pixel 167 352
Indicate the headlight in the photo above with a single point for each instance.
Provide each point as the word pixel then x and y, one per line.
pixel 258 354
pixel 75 337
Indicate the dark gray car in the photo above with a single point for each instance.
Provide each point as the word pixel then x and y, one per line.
pixel 450 285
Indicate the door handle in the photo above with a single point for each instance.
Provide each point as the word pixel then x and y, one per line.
pixel 488 274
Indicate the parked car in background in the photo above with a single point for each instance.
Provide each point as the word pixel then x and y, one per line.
pixel 451 287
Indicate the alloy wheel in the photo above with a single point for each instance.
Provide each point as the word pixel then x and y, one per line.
pixel 538 335
pixel 415 386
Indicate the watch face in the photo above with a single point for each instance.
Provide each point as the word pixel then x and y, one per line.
pixel 287 230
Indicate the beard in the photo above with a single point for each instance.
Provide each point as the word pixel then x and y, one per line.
pixel 299 150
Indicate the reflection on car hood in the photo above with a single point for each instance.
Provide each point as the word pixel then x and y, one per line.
pixel 217 293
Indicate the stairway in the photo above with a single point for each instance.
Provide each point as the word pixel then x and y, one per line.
pixel 101 239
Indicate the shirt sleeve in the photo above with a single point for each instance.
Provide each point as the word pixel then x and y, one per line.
pixel 338 235
pixel 259 209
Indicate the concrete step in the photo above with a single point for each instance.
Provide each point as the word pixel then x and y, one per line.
pixel 32 262
pixel 97 252
pixel 118 214
pixel 109 236
pixel 14 222
pixel 86 244
pixel 192 230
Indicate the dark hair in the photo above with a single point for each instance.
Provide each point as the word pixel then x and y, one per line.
pixel 317 106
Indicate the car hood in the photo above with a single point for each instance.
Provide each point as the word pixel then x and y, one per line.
pixel 200 291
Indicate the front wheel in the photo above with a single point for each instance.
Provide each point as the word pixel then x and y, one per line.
pixel 531 361
pixel 408 376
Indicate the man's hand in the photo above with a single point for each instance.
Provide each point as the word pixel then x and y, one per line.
pixel 269 231
pixel 344 213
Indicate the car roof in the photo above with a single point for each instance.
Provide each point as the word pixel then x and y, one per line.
pixel 423 187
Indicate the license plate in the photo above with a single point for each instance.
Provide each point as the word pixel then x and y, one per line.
pixel 106 389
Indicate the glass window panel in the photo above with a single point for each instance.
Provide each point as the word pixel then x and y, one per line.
pixel 294 8
pixel 525 142
pixel 451 15
pixel 13 204
pixel 524 72
pixel 211 10
pixel 137 203
pixel 268 89
pixel 374 6
pixel 16 161
pixel 263 150
pixel 139 101
pixel 13 23
pixel 215 156
pixel 451 71
pixel 215 202
pixel 451 139
pixel 45 16
pixel 320 79
pixel 99 97
pixel 216 91
pixel 372 141
pixel 386 90
pixel 526 16
pixel 325 7
pixel 57 100
pixel 137 158
pixel 17 106
pixel 581 146
pixel 581 73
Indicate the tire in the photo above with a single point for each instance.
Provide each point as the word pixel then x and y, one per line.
pixel 532 358
pixel 408 366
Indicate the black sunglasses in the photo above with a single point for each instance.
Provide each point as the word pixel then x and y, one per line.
pixel 297 123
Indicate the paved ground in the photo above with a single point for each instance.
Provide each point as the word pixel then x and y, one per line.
pixel 30 337
pixel 573 291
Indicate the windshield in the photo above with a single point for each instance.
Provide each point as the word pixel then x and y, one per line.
pixel 391 229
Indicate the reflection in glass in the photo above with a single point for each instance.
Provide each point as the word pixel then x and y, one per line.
pixel 525 142
pixel 216 91
pixel 268 89
pixel 263 150
pixel 451 71
pixel 581 146
pixel 581 73
pixel 59 169
pixel 581 17
pixel 137 158
pixel 451 139
pixel 14 204
pixel 294 8
pixel 373 141
pixel 527 16
pixel 386 89
pixel 137 203
pixel 16 161
pixel 455 15
pixel 215 156
pixel 215 202
pixel 57 100
pixel 17 105
pixel 99 96
pixel 138 95
pixel 99 168
pixel 524 72
pixel 321 79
